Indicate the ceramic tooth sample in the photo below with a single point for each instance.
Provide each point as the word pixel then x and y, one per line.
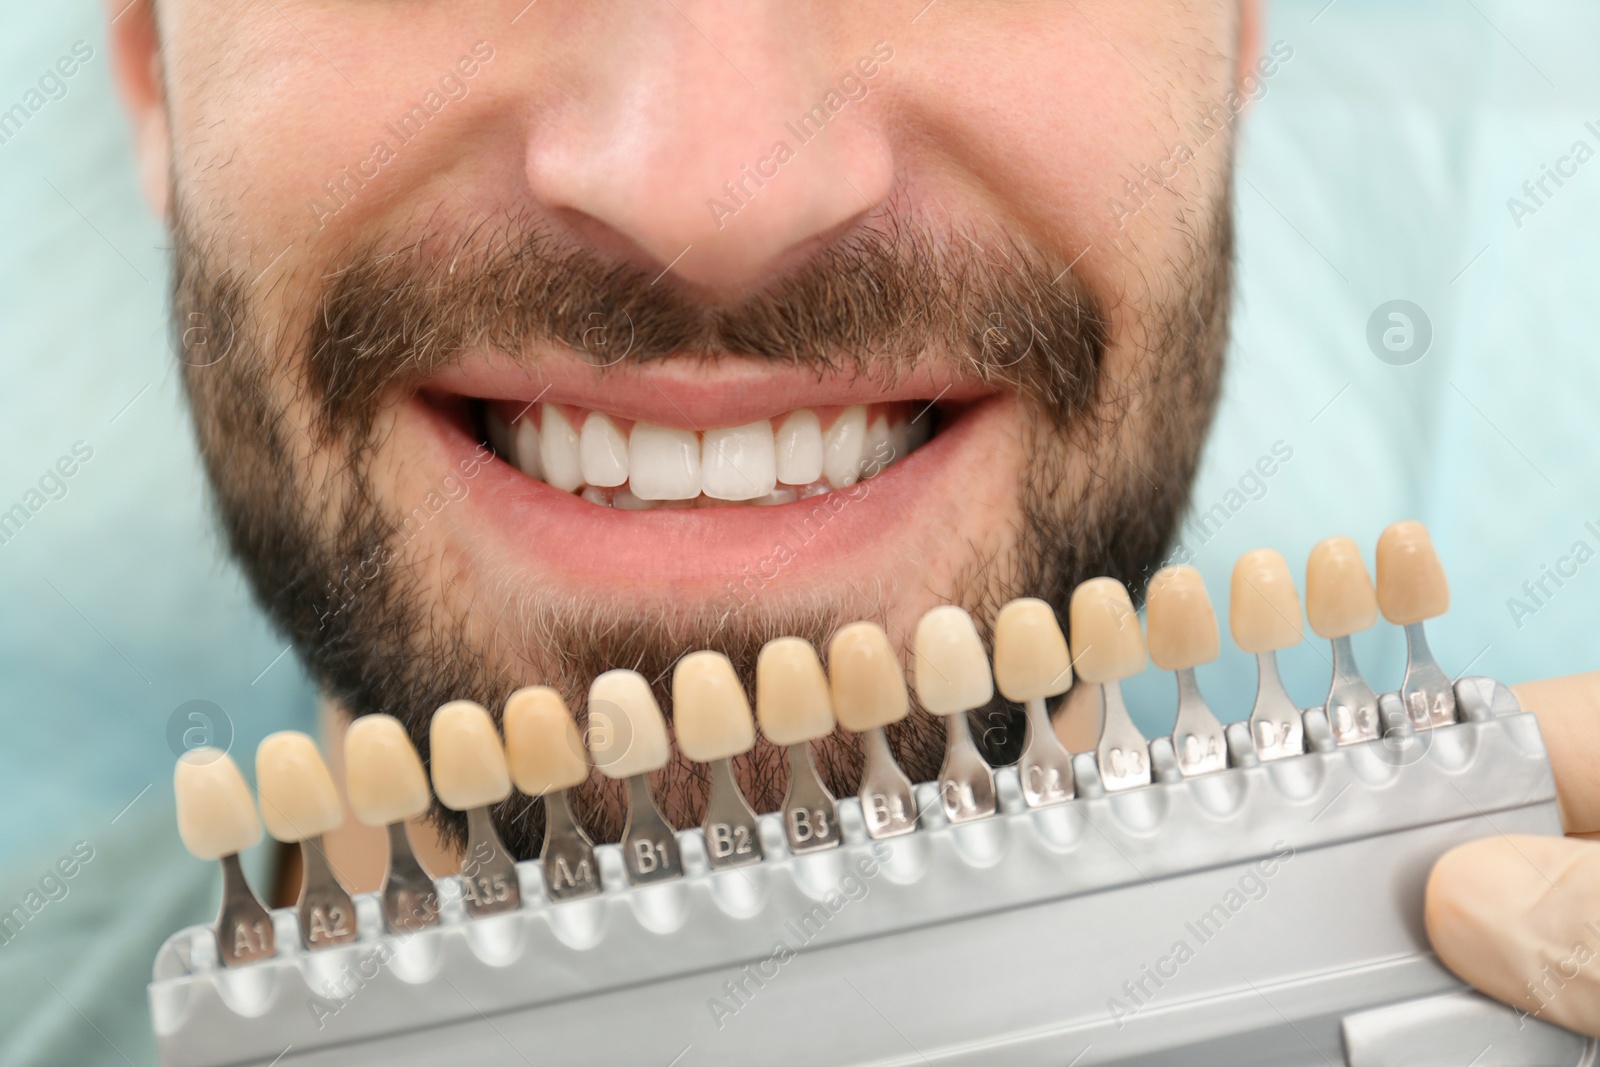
pixel 1182 629
pixel 1264 615
pixel 387 786
pixel 869 693
pixel 1107 646
pixel 546 757
pixel 1340 601
pixel 712 718
pixel 299 804
pixel 628 740
pixel 1411 590
pixel 952 678
pixel 217 821
pixel 470 774
pixel 794 709
pixel 1031 664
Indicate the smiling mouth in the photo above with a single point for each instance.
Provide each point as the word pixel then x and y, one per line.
pixel 631 465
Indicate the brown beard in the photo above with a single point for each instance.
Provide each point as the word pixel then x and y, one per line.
pixel 876 304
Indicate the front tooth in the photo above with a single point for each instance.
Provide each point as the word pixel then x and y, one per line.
pixel 799 448
pixel 558 450
pixel 525 448
pixel 739 463
pixel 663 463
pixel 878 451
pixel 603 451
pixel 843 447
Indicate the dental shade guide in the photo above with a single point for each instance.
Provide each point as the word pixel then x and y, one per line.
pixel 1411 590
pixel 299 803
pixel 217 821
pixel 1340 601
pixel 546 757
pixel 795 708
pixel 1107 646
pixel 1181 628
pixel 1315 861
pixel 713 723
pixel 470 774
pixel 1264 616
pixel 869 693
pixel 628 740
pixel 952 678
pixel 387 786
pixel 1031 664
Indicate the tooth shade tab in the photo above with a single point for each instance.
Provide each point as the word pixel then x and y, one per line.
pixel 710 712
pixel 1179 621
pixel 1107 644
pixel 603 451
pixel 382 773
pixel 1264 609
pixel 869 687
pixel 739 463
pixel 950 668
pixel 559 455
pixel 793 704
pixel 1411 582
pixel 663 463
pixel 1031 660
pixel 216 814
pixel 798 445
pixel 1340 600
pixel 543 750
pixel 298 797
pixel 469 763
pixel 627 734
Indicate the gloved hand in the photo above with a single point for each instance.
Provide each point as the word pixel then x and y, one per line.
pixel 1518 916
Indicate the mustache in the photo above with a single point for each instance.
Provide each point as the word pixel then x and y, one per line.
pixel 874 303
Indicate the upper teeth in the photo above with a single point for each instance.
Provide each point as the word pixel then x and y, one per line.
pixel 637 465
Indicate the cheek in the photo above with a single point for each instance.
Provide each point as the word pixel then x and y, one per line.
pixel 1058 108
pixel 271 118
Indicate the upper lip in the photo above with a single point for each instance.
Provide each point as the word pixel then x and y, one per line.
pixel 692 393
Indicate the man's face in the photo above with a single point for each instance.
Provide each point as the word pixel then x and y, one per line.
pixel 446 274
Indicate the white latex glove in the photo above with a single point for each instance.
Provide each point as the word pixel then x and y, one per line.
pixel 1519 916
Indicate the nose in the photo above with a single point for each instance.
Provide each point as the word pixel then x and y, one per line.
pixel 726 158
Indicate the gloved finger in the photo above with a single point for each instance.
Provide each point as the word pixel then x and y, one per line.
pixel 1519 918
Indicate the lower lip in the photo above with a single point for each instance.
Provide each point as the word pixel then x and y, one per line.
pixel 564 539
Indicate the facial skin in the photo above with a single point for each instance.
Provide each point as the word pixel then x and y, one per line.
pixel 545 230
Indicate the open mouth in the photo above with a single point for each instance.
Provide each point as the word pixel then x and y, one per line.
pixel 614 462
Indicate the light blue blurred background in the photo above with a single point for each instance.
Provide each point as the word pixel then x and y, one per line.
pixel 1377 167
